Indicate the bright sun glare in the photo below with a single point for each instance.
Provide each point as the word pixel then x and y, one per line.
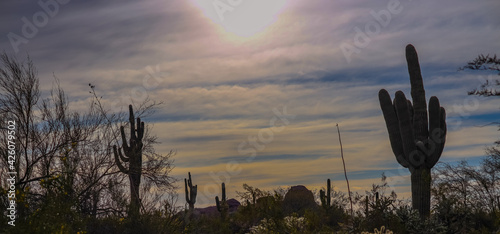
pixel 241 19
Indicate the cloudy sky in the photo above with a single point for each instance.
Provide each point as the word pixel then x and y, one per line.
pixel 253 89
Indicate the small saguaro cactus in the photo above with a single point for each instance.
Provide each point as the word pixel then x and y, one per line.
pixel 222 205
pixel 326 199
pixel 416 140
pixel 132 153
pixel 191 192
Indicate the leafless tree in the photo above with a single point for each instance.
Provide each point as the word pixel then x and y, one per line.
pixel 64 155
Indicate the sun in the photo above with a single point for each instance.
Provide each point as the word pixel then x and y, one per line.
pixel 241 19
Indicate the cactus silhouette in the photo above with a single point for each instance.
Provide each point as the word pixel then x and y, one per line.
pixel 416 140
pixel 191 192
pixel 326 198
pixel 132 153
pixel 222 205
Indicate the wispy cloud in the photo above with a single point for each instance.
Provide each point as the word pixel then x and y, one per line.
pixel 219 87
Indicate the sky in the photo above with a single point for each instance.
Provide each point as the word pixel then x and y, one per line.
pixel 253 89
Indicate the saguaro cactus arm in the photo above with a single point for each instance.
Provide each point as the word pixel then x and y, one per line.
pixel 117 152
pixel 322 197
pixel 186 191
pixel 125 146
pixel 391 120
pixel 123 158
pixel 140 133
pixel 437 132
pixel 217 203
pixel 412 156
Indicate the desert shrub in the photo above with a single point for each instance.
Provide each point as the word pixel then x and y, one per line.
pixel 289 224
pixel 268 205
pixel 410 222
pixel 211 224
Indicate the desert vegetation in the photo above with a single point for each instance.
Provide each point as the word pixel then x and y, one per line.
pixel 80 172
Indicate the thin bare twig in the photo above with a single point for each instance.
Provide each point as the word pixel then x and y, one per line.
pixel 345 171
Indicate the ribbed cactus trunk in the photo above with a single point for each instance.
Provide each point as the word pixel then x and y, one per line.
pixel 421 190
pixel 132 153
pixel 417 140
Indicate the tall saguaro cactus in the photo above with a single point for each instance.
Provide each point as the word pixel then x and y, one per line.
pixel 417 140
pixel 191 192
pixel 132 153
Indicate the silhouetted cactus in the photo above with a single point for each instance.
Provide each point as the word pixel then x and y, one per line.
pixel 191 192
pixel 416 140
pixel 375 205
pixel 366 206
pixel 132 153
pixel 222 205
pixel 326 198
